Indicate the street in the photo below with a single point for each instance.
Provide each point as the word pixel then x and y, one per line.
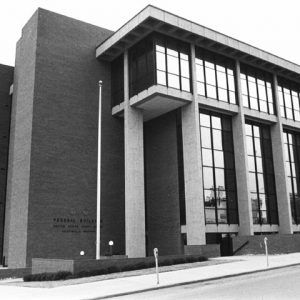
pixel 274 284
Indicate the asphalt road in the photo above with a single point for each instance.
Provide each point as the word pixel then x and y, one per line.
pixel 274 284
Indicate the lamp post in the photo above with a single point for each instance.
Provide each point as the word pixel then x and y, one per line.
pixel 111 243
pixel 99 174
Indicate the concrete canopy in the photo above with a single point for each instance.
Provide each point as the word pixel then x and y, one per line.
pixel 154 19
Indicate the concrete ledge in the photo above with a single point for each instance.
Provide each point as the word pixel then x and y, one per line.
pixel 277 244
pixel 40 265
pixel 14 273
pixel 210 250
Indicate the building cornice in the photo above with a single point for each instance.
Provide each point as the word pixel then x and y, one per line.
pixel 154 19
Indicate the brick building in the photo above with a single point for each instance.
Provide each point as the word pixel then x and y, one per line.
pixel 199 139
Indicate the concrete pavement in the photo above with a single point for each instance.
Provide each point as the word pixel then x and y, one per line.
pixel 237 265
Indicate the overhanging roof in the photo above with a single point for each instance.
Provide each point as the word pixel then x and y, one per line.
pixel 154 19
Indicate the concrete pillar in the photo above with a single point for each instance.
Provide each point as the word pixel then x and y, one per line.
pixel 283 200
pixel 134 174
pixel 241 164
pixel 195 219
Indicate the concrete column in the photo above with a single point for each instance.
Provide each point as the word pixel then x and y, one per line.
pixel 241 164
pixel 195 219
pixel 283 200
pixel 134 174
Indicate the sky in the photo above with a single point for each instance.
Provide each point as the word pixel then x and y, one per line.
pixel 272 25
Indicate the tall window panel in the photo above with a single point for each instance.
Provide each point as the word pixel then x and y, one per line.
pixel 289 99
pixel 141 66
pixel 257 90
pixel 117 81
pixel 261 175
pixel 292 150
pixel 219 180
pixel 172 63
pixel 215 76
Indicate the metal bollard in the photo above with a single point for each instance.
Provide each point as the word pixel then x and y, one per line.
pixel 155 252
pixel 266 248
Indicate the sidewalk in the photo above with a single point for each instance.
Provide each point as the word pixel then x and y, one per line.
pixel 133 284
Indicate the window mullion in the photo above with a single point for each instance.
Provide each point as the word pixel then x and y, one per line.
pixel 216 80
pixel 204 75
pixel 257 92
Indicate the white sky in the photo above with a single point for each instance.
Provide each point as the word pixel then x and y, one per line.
pixel 272 25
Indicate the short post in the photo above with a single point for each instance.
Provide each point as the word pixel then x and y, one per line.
pixel 266 248
pixel 111 243
pixel 155 251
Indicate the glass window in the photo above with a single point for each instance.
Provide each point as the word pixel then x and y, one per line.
pixel 256 89
pixel 261 174
pixel 173 81
pixel 210 76
pixel 161 77
pixel 218 164
pixel 174 62
pixel 292 151
pixel 160 61
pixel 185 69
pixel 288 94
pixel 218 80
pixel 142 68
pixel 205 137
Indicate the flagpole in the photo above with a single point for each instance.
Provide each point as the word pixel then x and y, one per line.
pixel 99 174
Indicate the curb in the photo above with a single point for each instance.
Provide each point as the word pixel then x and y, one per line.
pixel 191 282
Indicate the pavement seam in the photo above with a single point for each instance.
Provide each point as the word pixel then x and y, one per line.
pixel 190 282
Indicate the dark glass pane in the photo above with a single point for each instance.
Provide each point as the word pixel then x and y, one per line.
pixel 227 141
pixel 233 216
pixel 226 124
pixel 231 201
pixel 222 216
pixel 230 180
pixel 229 160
